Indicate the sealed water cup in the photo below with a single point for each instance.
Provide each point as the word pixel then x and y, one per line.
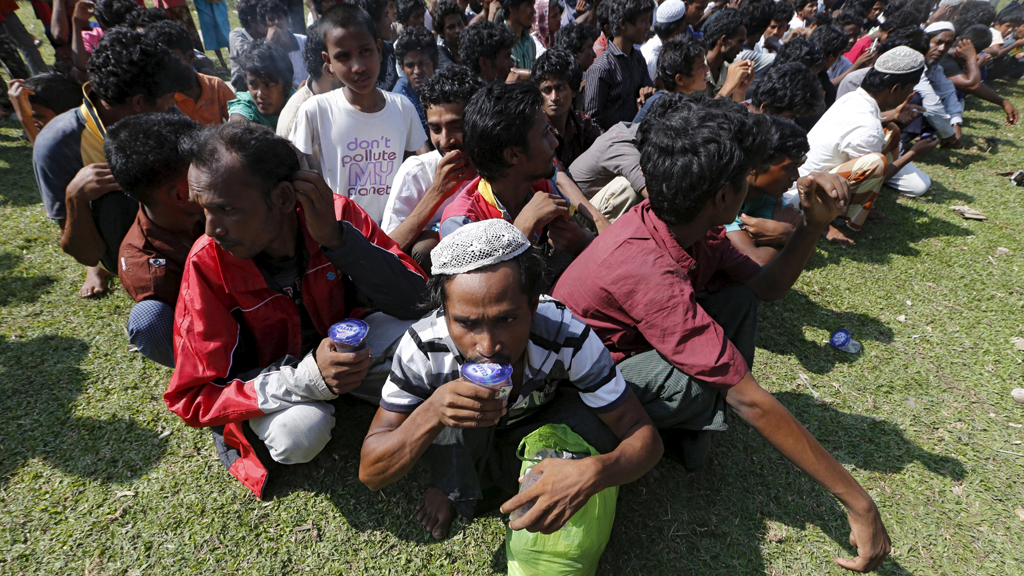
pixel 842 340
pixel 349 335
pixel 497 376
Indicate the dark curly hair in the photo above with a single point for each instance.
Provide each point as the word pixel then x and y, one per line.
pixel 249 13
pixel 783 12
pixel 800 50
pixel 267 61
pixel 626 11
pixel 112 13
pixel 831 40
pixel 483 40
pixel 757 17
pixel 171 35
pixel 143 154
pixel 143 17
pixel 557 65
pixel 450 85
pixel 910 36
pixel 789 89
pixel 972 13
pixel 531 280
pixel 979 35
pixel 575 36
pixel 498 117
pixel 55 90
pixel 406 8
pixel 722 24
pixel 269 9
pixel 266 157
pixel 442 10
pixel 692 146
pixel 127 63
pixel 375 8
pixel 416 39
pixel 679 56
pixel 790 140
pixel 312 54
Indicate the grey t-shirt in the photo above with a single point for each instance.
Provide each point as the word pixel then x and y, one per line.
pixel 851 82
pixel 613 154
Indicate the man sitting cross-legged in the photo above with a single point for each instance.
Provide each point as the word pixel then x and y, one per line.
pixel 283 260
pixel 684 342
pixel 486 287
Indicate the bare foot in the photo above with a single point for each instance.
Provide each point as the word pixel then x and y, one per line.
pixel 436 512
pixel 876 214
pixel 834 234
pixel 95 282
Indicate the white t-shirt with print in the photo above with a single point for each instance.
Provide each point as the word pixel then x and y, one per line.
pixel 359 153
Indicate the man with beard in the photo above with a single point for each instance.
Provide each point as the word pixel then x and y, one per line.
pixel 426 184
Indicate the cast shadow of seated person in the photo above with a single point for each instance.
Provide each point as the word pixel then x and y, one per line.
pixel 40 382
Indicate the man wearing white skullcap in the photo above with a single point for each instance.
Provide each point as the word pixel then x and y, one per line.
pixel 851 141
pixel 669 22
pixel 943 110
pixel 485 288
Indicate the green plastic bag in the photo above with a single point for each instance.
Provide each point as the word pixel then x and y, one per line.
pixel 575 549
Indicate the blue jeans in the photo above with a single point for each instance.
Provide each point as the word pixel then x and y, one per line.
pixel 150 328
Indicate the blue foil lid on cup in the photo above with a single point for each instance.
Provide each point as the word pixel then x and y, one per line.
pixel 486 374
pixel 351 332
pixel 840 338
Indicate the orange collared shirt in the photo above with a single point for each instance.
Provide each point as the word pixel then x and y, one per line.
pixel 212 107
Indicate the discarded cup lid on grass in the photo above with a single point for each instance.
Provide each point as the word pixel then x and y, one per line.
pixel 349 333
pixel 1018 395
pixel 842 340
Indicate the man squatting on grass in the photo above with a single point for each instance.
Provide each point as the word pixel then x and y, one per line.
pixel 684 342
pixel 259 294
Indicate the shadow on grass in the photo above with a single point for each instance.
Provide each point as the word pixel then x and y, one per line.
pixel 40 383
pixel 779 333
pixel 726 518
pixel 19 184
pixel 19 289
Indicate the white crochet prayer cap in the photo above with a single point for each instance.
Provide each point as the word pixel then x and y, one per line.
pixel 941 26
pixel 900 60
pixel 951 2
pixel 477 245
pixel 670 11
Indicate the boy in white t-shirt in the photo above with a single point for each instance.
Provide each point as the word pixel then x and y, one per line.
pixel 356 137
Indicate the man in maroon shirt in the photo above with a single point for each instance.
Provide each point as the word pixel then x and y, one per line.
pixel 647 287
pixel 144 159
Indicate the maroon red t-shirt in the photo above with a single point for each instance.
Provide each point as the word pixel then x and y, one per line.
pixel 636 288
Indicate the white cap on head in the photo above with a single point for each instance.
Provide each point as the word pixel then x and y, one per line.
pixel 940 26
pixel 670 11
pixel 900 60
pixel 477 245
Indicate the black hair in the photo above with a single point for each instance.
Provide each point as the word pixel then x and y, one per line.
pixel 831 40
pixel 790 140
pixel 267 61
pixel 557 65
pixel 143 17
pixel 268 8
pixel 666 30
pixel 801 4
pixel 792 88
pixel 757 17
pixel 800 50
pixel 783 12
pixel 508 5
pixel 974 12
pixel 483 40
pixel 531 280
pixel 406 8
pixel 979 35
pixel 128 63
pixel 575 36
pixel 1013 16
pixel 416 39
pixel 910 36
pixel 451 84
pixel 876 82
pixel 626 11
pixel 249 12
pixel 375 8
pixel 55 90
pixel 693 146
pixel 442 10
pixel 722 24
pixel 900 19
pixel 143 151
pixel 266 157
pixel 351 16
pixel 112 13
pixel 312 54
pixel 171 35
pixel 821 19
pixel 894 6
pixel 848 17
pixel 679 56
pixel 497 118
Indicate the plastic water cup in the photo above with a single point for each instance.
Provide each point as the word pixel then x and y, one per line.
pixel 349 335
pixel 495 376
pixel 842 340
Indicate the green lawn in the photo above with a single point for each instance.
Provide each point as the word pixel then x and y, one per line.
pixel 98 477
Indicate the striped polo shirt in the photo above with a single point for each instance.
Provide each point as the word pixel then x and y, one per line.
pixel 562 350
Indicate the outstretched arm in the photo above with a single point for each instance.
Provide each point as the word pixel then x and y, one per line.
pixel 775 423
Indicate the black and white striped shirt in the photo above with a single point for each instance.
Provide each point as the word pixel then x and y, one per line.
pixel 561 349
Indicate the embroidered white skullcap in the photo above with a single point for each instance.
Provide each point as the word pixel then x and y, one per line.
pixel 900 60
pixel 670 11
pixel 941 26
pixel 951 2
pixel 477 245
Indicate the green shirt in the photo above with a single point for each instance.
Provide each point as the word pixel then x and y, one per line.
pixel 524 52
pixel 244 105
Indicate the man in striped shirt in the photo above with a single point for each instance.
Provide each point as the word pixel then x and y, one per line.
pixel 619 76
pixel 485 286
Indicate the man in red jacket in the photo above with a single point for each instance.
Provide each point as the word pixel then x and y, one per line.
pixel 282 260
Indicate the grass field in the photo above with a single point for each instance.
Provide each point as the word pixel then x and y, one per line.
pixel 98 477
